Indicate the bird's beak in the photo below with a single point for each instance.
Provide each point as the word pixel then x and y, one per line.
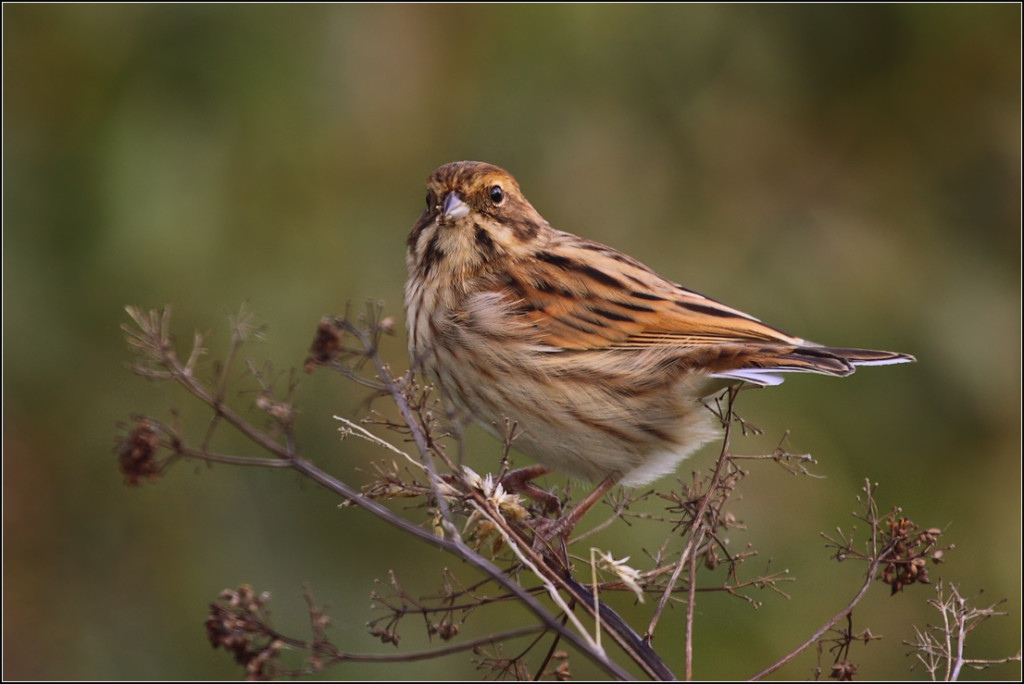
pixel 454 207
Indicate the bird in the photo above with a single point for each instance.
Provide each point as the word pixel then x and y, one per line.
pixel 605 366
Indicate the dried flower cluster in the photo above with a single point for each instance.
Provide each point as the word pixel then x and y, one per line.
pixel 911 551
pixel 137 453
pixel 238 624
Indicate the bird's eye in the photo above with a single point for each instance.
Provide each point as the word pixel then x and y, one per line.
pixel 496 194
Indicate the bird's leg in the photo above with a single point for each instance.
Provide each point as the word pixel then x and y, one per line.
pixel 547 529
pixel 518 480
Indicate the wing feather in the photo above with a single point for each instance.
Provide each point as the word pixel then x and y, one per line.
pixel 577 296
pixel 600 298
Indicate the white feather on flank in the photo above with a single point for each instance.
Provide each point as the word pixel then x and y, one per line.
pixel 753 375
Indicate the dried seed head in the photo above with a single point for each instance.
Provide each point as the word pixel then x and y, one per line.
pixel 137 453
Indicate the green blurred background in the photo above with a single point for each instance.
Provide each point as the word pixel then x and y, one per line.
pixel 850 174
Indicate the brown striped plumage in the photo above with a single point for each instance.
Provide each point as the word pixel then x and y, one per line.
pixel 603 363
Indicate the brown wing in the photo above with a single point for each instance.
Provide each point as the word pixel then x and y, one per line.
pixel 579 295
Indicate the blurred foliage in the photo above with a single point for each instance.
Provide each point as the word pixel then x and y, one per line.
pixel 849 173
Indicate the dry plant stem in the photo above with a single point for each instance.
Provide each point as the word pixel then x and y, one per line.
pixel 955 674
pixel 878 556
pixel 534 563
pixel 336 655
pixel 637 649
pixel 697 537
pixel 959 619
pixel 690 552
pixel 253 461
pixel 383 374
pixel 160 338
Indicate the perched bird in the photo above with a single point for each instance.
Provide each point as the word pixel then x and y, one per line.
pixel 604 364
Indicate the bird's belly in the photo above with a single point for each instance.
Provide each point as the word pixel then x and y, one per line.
pixel 576 414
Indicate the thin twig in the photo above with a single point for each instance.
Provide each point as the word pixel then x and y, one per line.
pixel 878 557
pixel 407 657
pixel 700 530
pixel 689 553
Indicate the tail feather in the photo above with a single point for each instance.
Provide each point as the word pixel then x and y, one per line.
pixel 869 357
pixel 764 368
